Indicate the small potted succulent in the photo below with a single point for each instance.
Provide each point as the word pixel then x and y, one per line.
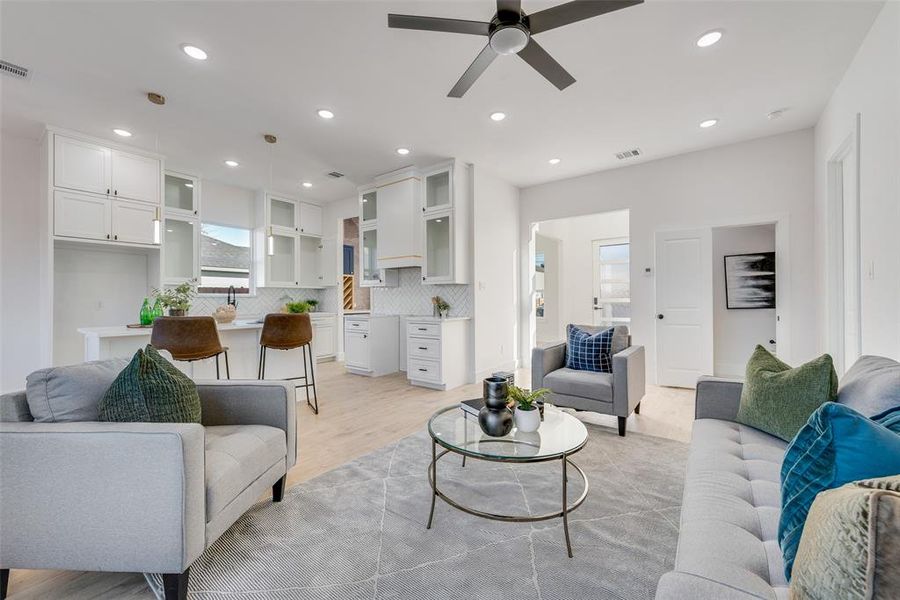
pixel 177 299
pixel 313 304
pixel 527 416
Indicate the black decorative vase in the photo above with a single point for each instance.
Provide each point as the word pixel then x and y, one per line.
pixel 495 418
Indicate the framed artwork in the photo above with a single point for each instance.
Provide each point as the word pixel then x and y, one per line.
pixel 750 280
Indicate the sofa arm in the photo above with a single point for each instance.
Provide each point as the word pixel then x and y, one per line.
pixel 676 585
pixel 717 398
pixel 94 496
pixel 629 380
pixel 250 402
pixel 546 360
pixel 14 408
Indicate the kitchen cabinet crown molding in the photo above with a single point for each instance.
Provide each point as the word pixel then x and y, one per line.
pixel 109 143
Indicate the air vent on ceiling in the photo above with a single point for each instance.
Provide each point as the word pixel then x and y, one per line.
pixel 634 152
pixel 7 68
pixel 335 175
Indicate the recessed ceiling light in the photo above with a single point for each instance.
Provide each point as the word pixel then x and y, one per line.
pixel 709 38
pixel 553 161
pixel 325 113
pixel 232 163
pixel 498 116
pixel 403 151
pixel 708 123
pixel 189 185
pixel 194 52
pixel 307 184
pixel 122 132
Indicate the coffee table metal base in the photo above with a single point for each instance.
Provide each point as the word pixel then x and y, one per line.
pixel 564 512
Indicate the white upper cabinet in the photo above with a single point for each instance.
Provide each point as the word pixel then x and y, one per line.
pixel 310 219
pixel 368 206
pixel 446 235
pixel 371 275
pixel 135 177
pixel 81 216
pixel 182 194
pixel 399 231
pixel 310 262
pixel 438 192
pixel 281 213
pixel 79 165
pixel 437 266
pixel 134 222
pixel 181 250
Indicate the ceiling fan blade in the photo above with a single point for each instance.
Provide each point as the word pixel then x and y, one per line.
pixel 571 12
pixel 546 65
pixel 509 6
pixel 481 62
pixel 438 24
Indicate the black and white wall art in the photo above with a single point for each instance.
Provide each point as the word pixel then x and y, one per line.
pixel 750 280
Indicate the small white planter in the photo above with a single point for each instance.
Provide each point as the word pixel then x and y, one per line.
pixel 527 420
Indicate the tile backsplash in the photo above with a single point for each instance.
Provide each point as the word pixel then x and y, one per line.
pixel 265 301
pixel 410 297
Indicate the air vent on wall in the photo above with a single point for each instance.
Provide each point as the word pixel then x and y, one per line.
pixel 634 152
pixel 335 175
pixel 7 68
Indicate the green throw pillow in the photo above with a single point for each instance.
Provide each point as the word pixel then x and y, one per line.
pixel 150 389
pixel 779 399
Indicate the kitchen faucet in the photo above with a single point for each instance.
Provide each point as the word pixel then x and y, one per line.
pixel 231 298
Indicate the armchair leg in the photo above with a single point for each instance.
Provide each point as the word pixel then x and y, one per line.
pixel 637 409
pixel 4 583
pixel 175 585
pixel 278 489
pixel 622 426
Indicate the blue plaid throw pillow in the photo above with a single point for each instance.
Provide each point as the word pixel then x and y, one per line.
pixel 589 352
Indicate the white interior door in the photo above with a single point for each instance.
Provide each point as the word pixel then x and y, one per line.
pixel 850 262
pixel 684 329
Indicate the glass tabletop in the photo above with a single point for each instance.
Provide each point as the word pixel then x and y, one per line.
pixel 560 433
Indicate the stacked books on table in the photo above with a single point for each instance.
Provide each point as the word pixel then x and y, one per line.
pixel 473 407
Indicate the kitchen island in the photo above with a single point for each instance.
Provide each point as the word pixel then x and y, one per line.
pixel 241 337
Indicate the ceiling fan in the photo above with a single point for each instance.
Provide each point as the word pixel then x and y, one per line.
pixel 511 31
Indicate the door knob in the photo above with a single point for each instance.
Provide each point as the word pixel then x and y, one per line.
pixel 660 316
pixel 772 342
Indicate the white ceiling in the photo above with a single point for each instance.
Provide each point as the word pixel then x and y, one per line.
pixel 641 82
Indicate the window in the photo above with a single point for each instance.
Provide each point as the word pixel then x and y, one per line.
pixel 539 268
pixel 225 259
pixel 612 282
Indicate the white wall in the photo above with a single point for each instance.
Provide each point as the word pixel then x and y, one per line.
pixel 495 272
pixel 870 87
pixel 737 332
pixel 747 182
pixel 20 269
pixel 227 204
pixel 576 235
pixel 548 328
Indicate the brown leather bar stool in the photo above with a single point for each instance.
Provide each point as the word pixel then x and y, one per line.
pixel 189 339
pixel 283 331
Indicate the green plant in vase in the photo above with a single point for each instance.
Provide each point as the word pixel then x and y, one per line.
pixel 441 307
pixel 297 307
pixel 313 305
pixel 177 299
pixel 526 416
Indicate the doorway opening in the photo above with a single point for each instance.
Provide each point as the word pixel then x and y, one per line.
pixel 354 297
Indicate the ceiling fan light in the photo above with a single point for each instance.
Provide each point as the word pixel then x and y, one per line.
pixel 509 40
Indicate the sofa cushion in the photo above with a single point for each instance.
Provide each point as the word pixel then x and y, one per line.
pixel 236 456
pixel 872 385
pixel 585 384
pixel 729 515
pixel 586 351
pixel 778 399
pixel 71 393
pixel 851 543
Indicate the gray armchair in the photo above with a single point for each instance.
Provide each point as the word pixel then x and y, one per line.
pixel 618 393
pixel 134 497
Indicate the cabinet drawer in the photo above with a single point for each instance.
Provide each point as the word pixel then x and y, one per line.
pixel 424 348
pixel 356 325
pixel 423 330
pixel 424 370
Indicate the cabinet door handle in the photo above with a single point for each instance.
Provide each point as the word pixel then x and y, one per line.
pixel 107 191
pixel 423 370
pixel 195 212
pixel 423 329
pixel 107 236
pixel 115 192
pixel 423 348
pixel 365 335
pixel 115 237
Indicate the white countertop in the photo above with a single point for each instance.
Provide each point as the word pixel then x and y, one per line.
pixel 431 319
pixel 236 325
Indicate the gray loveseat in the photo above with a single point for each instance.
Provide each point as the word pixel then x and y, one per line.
pixel 78 494
pixel 618 393
pixel 728 540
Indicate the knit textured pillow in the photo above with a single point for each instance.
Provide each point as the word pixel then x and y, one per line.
pixel 589 352
pixel 851 544
pixel 150 389
pixel 778 399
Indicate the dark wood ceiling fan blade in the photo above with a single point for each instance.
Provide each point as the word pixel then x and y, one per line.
pixel 509 6
pixel 546 65
pixel 438 24
pixel 481 62
pixel 572 12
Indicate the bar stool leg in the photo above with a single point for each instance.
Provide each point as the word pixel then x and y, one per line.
pixel 305 376
pixel 312 372
pixel 227 370
pixel 217 366
pixel 263 362
pixel 259 363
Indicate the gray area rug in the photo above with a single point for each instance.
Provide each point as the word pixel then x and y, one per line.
pixel 358 532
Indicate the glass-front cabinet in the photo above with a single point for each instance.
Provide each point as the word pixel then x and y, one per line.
pixel 283 213
pixel 438 189
pixel 182 194
pixel 368 206
pixel 368 257
pixel 438 246
pixel 180 250
pixel 281 258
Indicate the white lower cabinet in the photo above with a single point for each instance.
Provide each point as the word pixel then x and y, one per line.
pixel 371 344
pixel 324 335
pixel 437 351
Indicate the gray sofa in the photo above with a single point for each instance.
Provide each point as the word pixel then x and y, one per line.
pixel 728 540
pixel 78 494
pixel 618 393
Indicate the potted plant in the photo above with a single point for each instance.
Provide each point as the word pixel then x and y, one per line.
pixel 441 308
pixel 313 304
pixel 297 307
pixel 176 299
pixel 527 416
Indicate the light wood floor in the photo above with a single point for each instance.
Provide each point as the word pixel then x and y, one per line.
pixel 357 415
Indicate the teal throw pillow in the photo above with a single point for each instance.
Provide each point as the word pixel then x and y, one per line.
pixel 837 446
pixel 150 389
pixel 778 399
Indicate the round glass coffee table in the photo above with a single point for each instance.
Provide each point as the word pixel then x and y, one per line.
pixel 559 436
